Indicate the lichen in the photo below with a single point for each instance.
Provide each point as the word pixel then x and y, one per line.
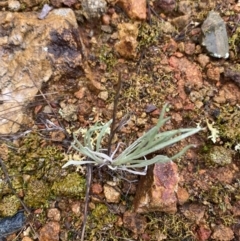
pixel 220 155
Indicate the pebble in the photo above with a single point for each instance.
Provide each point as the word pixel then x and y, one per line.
pixel 112 195
pixel 14 5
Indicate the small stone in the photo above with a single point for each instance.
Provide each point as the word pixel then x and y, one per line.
pixel 203 60
pixel 106 19
pixel 213 73
pixel 135 9
pixel 14 5
pixel 203 232
pixel 182 195
pixel 76 207
pixel 156 190
pixel 193 212
pixel 127 44
pixel 112 195
pixel 54 214
pixel 215 36
pixel 232 74
pixel 103 95
pixel 222 233
pixel 190 48
pixel 220 155
pixel 93 8
pixel 96 188
pixel 50 232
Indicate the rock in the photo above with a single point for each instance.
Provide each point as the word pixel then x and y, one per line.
pixel 215 36
pixel 33 52
pixel 14 5
pixel 213 73
pixel 157 190
pixel 68 111
pixel 203 232
pixel 111 193
pixel 190 71
pixel 54 214
pixel 203 60
pixel 193 212
pixel 232 74
pixel 50 232
pixel 182 195
pixel 127 44
pixel 135 9
pixel 93 8
pixel 134 222
pixel 220 155
pixel 222 233
pixel 96 188
pixel 189 48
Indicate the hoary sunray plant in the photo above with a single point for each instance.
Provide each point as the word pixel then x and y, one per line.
pixel 134 157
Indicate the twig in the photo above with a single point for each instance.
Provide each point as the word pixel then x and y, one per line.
pixel 89 180
pixel 113 131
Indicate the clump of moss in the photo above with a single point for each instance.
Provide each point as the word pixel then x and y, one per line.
pixel 234 41
pixel 37 193
pixel 173 226
pixel 100 219
pixel 73 185
pixel 228 124
pixel 107 57
pixel 149 34
pixel 9 205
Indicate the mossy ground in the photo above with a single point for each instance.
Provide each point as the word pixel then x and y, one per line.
pixel 35 163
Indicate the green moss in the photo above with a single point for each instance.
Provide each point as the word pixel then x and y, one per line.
pixel 9 205
pixel 37 193
pixel 149 34
pixel 107 57
pixel 228 124
pixel 73 185
pixel 101 219
pixel 234 41
pixel 173 226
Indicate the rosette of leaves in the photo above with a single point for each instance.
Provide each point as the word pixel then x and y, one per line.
pixel 134 157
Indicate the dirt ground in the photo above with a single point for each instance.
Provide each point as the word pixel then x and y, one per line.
pixel 164 62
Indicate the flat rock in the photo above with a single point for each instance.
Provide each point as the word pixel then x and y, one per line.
pixel 215 36
pixel 33 51
pixel 157 190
